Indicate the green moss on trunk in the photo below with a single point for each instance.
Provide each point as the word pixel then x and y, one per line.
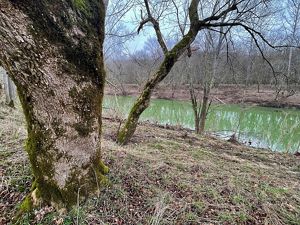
pixel 80 4
pixel 42 155
pixel 27 205
pixel 142 103
pixel 71 34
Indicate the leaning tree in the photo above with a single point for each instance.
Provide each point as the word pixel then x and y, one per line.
pixel 236 12
pixel 52 49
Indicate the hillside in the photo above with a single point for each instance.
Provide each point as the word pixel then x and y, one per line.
pixel 164 176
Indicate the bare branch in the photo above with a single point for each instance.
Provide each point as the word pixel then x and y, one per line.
pixel 156 27
pixel 220 15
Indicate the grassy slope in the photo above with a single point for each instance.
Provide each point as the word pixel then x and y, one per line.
pixel 164 177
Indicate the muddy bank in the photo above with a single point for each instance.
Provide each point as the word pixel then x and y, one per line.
pixel 275 104
pixel 224 94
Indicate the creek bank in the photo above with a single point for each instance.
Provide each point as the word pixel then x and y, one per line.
pixel 224 94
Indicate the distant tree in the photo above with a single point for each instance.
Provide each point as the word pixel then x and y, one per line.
pixel 285 87
pixel 213 46
pixel 116 31
pixel 9 89
pixel 237 14
pixel 134 68
pixel 53 52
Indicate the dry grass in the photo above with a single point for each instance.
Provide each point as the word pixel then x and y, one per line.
pixel 164 176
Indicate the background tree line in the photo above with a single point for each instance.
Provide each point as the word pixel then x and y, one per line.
pixel 243 65
pixel 239 58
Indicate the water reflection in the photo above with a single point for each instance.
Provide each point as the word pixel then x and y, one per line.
pixel 275 129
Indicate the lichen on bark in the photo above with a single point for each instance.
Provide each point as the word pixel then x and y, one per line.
pixel 53 52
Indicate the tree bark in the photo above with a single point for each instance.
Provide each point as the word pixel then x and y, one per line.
pixel 197 123
pixel 52 49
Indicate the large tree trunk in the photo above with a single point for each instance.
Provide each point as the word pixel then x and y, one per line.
pixel 52 49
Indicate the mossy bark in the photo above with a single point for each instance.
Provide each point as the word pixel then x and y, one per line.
pixel 142 103
pixel 52 49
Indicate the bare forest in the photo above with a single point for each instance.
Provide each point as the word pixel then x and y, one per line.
pixel 150 112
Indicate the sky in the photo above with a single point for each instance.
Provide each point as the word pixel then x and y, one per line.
pixel 130 22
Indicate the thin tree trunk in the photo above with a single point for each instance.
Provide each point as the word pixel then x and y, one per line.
pixel 289 67
pixel 171 57
pixel 203 112
pixel 9 90
pixel 195 107
pixel 143 100
pixel 249 65
pixel 209 85
pixel 57 65
pixel 197 124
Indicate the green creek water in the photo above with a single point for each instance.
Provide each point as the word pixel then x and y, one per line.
pixel 276 129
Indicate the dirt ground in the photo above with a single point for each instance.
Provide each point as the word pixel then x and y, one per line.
pixel 228 94
pixel 164 176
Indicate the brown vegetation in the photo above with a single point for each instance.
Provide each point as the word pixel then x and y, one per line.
pixel 164 176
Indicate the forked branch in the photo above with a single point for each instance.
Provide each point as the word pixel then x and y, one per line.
pixel 156 27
